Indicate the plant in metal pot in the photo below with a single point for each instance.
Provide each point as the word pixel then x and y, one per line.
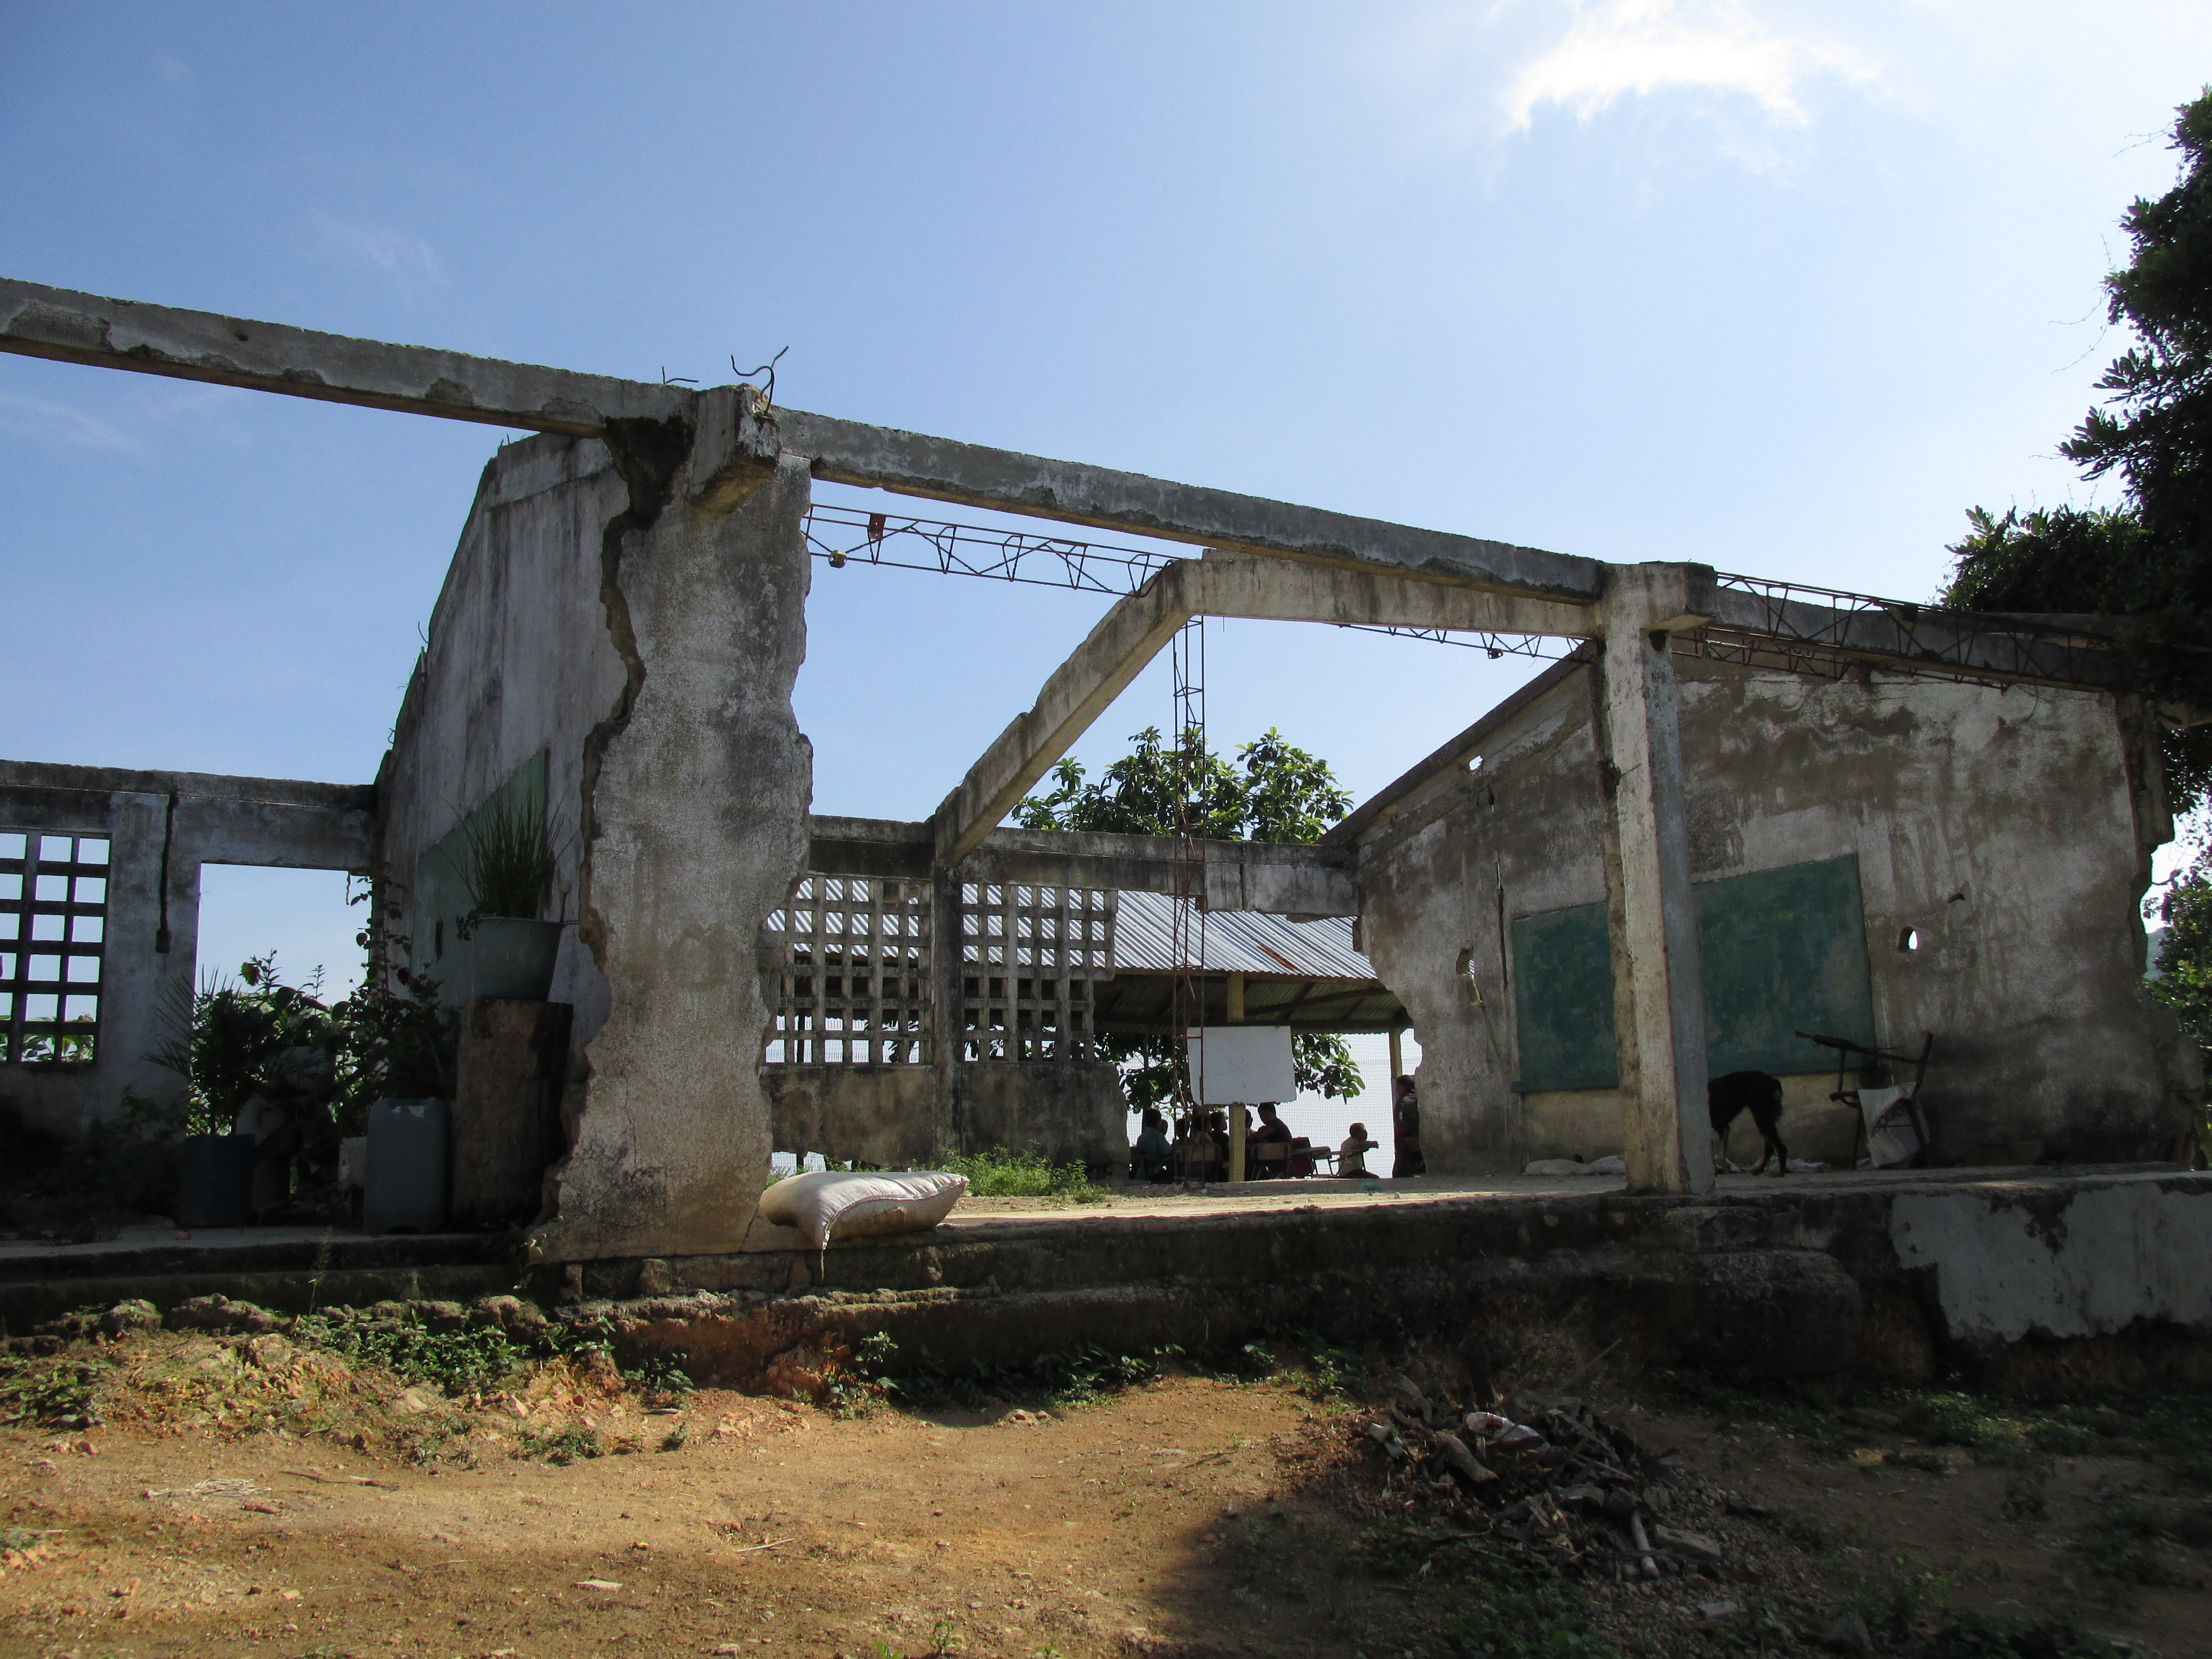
pixel 228 1040
pixel 508 866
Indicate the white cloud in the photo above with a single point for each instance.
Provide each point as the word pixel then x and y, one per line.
pixel 394 250
pixel 34 417
pixel 1623 48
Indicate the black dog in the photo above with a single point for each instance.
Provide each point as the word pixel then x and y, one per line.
pixel 1729 1097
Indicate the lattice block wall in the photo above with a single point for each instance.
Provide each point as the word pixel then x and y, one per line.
pixel 1028 957
pixel 53 929
pixel 855 985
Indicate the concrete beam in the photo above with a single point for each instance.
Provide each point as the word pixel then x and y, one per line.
pixel 1275 589
pixel 937 469
pixel 66 326
pixel 1220 585
pixel 1127 638
pixel 1280 879
pixel 277 822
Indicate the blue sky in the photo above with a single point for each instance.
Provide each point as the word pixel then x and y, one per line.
pixel 1783 289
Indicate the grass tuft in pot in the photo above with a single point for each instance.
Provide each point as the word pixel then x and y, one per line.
pixel 509 863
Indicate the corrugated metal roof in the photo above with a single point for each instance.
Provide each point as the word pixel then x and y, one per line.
pixel 1237 941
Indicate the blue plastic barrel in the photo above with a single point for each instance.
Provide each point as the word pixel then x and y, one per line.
pixel 215 1181
pixel 405 1189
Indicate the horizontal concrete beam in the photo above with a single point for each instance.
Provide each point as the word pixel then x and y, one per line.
pixel 939 469
pixel 1257 588
pixel 70 327
pixel 1282 879
pixel 275 823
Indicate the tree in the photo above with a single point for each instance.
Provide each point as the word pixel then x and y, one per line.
pixel 2150 560
pixel 1275 792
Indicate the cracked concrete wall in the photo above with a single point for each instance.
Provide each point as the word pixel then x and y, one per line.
pixel 634 607
pixel 2011 829
pixel 517 662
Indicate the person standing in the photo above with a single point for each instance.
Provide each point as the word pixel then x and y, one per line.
pixel 1405 1132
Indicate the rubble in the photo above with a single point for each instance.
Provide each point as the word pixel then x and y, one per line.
pixel 1548 1482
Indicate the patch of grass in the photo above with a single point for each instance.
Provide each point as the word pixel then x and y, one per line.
pixel 1085 1377
pixel 564 1445
pixel 1925 1462
pixel 2123 1544
pixel 1970 1636
pixel 1001 1174
pixel 1960 1419
pixel 475 1359
pixel 54 1393
pixel 662 1375
pixel 1729 1404
pixel 1805 1531
pixel 1494 1609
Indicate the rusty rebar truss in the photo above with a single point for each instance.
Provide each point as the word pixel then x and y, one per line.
pixel 840 535
pixel 1789 627
pixel 1798 628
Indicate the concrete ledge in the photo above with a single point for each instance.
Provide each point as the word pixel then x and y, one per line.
pixel 2016 1273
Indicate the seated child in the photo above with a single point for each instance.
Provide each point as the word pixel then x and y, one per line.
pixel 1149 1161
pixel 1350 1157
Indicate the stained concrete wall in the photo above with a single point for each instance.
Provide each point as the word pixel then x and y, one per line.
pixel 634 610
pixel 275 823
pixel 2011 830
pixel 517 662
pixel 886 1114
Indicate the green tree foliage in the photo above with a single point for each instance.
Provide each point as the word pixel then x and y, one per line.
pixel 1274 792
pixel 2150 560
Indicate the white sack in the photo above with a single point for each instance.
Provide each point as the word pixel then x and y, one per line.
pixel 1890 1138
pixel 831 1204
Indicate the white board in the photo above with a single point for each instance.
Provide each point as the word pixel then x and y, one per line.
pixel 1240 1065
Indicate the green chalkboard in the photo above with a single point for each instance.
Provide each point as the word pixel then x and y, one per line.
pixel 1784 952
pixel 1563 985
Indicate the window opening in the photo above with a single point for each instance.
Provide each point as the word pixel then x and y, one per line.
pixel 53 930
pixel 853 988
pixel 1028 957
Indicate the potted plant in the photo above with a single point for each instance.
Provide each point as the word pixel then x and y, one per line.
pixel 508 871
pixel 220 1037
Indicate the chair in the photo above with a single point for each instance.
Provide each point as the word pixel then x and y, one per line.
pixel 1266 1160
pixel 1907 1097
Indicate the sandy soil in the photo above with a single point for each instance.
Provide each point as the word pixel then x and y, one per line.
pixel 1191 1515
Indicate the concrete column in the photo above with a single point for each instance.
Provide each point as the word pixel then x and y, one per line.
pixel 1658 992
pixel 695 787
pixel 947 1014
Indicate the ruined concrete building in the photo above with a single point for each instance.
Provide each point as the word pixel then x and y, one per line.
pixel 1733 809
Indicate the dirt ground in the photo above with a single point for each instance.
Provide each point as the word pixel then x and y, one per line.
pixel 1189 1515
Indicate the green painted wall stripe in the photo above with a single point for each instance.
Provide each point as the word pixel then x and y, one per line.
pixel 1784 952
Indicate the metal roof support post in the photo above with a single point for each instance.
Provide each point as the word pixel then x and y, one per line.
pixel 1658 992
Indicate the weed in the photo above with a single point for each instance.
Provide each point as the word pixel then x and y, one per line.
pixel 1805 1531
pixel 662 1375
pixel 1496 1609
pixel 1334 1372
pixel 474 1360
pixel 1001 1174
pixel 57 1394
pixel 1959 1419
pixel 1926 1462
pixel 564 1446
pixel 2123 1546
pixel 674 1439
pixel 2024 1498
pixel 943 1638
